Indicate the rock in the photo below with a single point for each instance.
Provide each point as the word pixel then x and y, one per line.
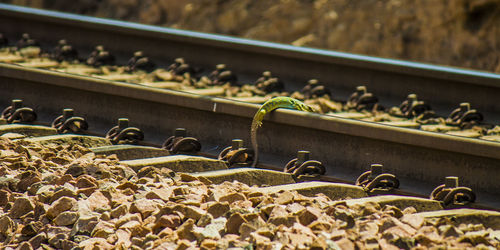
pixel 160 193
pixel 193 212
pixel 21 206
pixel 27 178
pixel 61 205
pixel 85 181
pixel 145 207
pixel 127 184
pixel 95 243
pixel 234 222
pixel 205 220
pixel 187 177
pixel 25 246
pixel 56 240
pixel 170 221
pixel 218 209
pixel 64 192
pixel 119 211
pixel 309 215
pixel 232 197
pixel 284 198
pixel 135 228
pixel 66 218
pixel 123 238
pixel 7 226
pixel 75 170
pixel 36 241
pixel 127 218
pixel 185 231
pixel 84 225
pixel 99 202
pixel 32 228
pixel 4 197
pixel 345 243
pixel 414 220
pixel 208 244
pixel 103 229
pixel 450 231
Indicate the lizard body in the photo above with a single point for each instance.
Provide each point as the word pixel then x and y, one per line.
pixel 270 105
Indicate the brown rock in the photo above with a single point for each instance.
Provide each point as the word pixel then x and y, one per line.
pixel 25 246
pixel 187 177
pixel 144 206
pixel 103 229
pixel 123 238
pixel 193 212
pixel 64 192
pixel 56 240
pixel 127 184
pixel 308 215
pixel 64 179
pixel 95 243
pixel 185 231
pixel 85 181
pixel 75 170
pixel 66 218
pixel 36 241
pixel 414 220
pixel 21 206
pixel 232 197
pixel 345 243
pixel 135 228
pixel 86 191
pixel 60 205
pixel 208 244
pixel 160 193
pixel 234 222
pixel 98 202
pixel 166 232
pixel 285 198
pixel 119 211
pixel 27 178
pixel 451 231
pixel 7 226
pixel 170 221
pixel 32 228
pixel 84 225
pixel 245 230
pixel 127 218
pixel 4 197
pixel 427 235
pixel 218 209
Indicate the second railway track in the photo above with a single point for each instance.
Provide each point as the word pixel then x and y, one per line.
pixel 346 147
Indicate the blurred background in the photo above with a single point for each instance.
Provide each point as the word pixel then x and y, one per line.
pixel 462 33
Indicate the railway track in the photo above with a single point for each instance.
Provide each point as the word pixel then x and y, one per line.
pixel 347 147
pixel 414 160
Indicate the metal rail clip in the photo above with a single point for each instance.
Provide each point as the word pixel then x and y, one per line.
pixel 16 113
pixel 376 181
pixel 464 116
pixel 362 100
pixel 179 143
pixel 450 194
pixel 123 134
pixel 303 169
pixel 236 155
pixel 68 123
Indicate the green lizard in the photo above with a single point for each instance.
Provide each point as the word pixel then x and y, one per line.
pixel 270 105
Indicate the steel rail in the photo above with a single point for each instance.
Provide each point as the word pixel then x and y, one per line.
pixel 347 147
pixel 391 80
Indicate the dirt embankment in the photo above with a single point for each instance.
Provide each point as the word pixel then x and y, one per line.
pixel 463 33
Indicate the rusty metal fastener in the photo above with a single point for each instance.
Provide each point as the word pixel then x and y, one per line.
pixel 16 113
pixel 302 166
pixel 450 194
pixel 376 180
pixel 361 99
pixel 123 134
pixel 236 155
pixel 179 143
pixel 464 116
pixel 412 107
pixel 68 123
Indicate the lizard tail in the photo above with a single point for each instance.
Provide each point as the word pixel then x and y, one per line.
pixel 255 146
